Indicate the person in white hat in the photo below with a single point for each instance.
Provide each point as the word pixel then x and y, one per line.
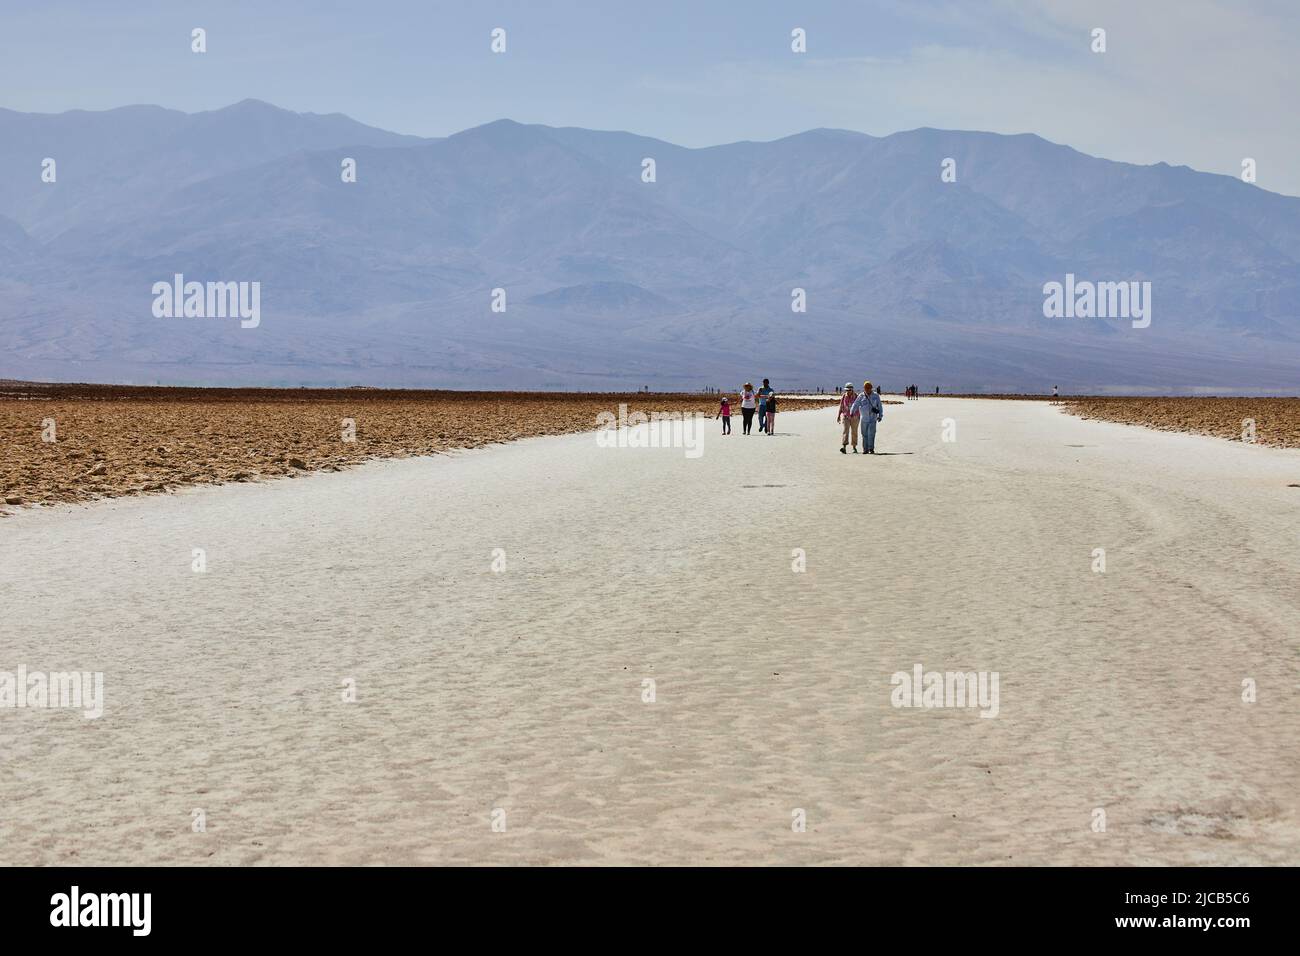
pixel 748 399
pixel 849 414
pixel 871 410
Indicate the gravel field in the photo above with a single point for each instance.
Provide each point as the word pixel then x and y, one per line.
pixel 1277 420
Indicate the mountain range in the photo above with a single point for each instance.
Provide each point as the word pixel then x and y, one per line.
pixel 612 281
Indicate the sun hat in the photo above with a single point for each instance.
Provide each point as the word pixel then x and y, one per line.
pixel 848 384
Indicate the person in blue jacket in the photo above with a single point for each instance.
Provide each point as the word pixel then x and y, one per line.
pixel 872 410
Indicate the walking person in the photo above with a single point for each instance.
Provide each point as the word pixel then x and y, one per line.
pixel 724 412
pixel 771 412
pixel 747 404
pixel 849 414
pixel 871 410
pixel 764 394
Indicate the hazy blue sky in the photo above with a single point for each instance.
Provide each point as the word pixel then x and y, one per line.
pixel 1196 82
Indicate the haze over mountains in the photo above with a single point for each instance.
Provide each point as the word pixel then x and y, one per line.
pixel 612 282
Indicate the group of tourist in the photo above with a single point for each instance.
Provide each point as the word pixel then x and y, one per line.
pixel 858 411
pixel 762 401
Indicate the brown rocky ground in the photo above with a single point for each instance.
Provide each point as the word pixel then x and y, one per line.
pixel 1277 420
pixel 117 440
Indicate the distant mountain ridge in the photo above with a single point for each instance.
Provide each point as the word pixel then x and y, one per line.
pixel 611 281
